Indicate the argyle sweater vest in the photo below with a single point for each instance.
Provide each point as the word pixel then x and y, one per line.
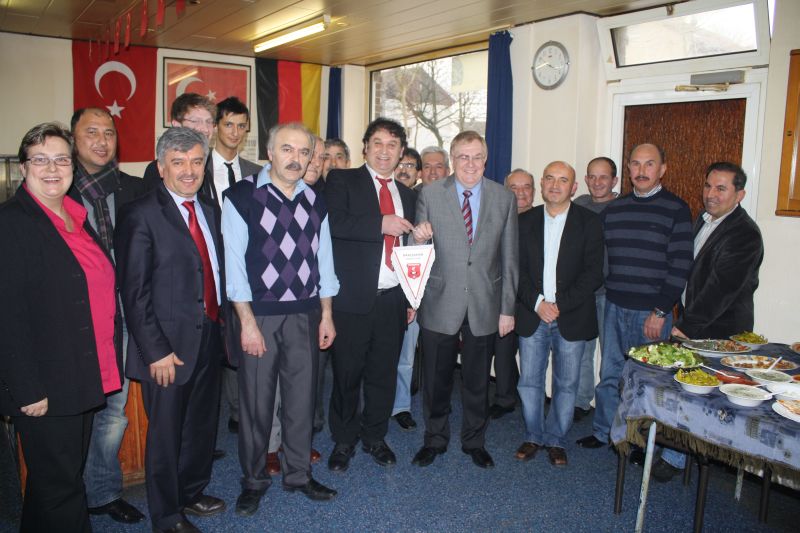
pixel 283 240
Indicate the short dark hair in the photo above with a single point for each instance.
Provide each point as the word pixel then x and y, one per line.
pixel 661 152
pixel 336 141
pixel 606 160
pixel 382 123
pixel 39 134
pixel 739 176
pixel 76 116
pixel 231 106
pixel 410 152
pixel 182 104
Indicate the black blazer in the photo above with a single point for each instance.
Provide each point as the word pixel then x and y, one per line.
pixel 579 272
pixel 355 219
pixel 161 277
pixel 47 343
pixel 724 276
pixel 130 188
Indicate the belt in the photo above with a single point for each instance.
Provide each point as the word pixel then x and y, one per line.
pixel 381 292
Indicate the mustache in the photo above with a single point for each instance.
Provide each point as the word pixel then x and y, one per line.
pixel 641 177
pixel 403 174
pixel 294 165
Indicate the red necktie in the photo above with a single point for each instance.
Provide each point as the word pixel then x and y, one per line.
pixel 466 212
pixel 209 287
pixel 387 208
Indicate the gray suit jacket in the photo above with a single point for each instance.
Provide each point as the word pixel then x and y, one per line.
pixel 479 281
pixel 248 167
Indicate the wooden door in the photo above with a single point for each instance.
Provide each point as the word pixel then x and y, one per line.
pixel 693 135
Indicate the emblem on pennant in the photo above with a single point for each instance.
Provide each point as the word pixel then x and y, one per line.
pixel 414 270
pixel 413 265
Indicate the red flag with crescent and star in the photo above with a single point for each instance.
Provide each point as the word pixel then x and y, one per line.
pixel 125 85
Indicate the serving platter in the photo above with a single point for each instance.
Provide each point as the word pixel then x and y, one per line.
pixel 741 362
pixel 716 347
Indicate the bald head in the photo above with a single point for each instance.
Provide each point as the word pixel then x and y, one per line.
pixel 558 186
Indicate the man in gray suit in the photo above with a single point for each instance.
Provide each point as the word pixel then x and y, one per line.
pixel 471 292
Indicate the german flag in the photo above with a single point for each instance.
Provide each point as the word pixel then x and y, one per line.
pixel 286 92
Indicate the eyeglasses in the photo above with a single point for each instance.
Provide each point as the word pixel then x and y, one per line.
pixel 197 122
pixel 407 166
pixel 42 161
pixel 464 159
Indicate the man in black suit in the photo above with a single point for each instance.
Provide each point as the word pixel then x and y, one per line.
pixel 561 265
pixel 170 266
pixel 102 188
pixel 728 250
pixel 369 213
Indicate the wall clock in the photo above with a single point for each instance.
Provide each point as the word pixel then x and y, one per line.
pixel 550 65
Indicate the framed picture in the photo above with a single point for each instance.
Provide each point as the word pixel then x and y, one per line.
pixel 217 81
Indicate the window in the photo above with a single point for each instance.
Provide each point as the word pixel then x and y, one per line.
pixel 434 99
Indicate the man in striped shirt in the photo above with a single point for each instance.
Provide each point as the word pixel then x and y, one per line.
pixel 648 236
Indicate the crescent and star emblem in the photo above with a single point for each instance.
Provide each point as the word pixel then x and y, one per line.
pixel 181 88
pixel 115 66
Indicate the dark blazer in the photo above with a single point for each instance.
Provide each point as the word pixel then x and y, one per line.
pixel 724 276
pixel 130 188
pixel 355 220
pixel 579 272
pixel 47 343
pixel 161 277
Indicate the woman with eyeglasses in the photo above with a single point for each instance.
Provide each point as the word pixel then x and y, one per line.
pixel 60 330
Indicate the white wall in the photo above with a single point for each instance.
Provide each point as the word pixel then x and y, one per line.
pixel 355 92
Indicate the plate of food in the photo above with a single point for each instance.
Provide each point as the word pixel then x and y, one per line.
pixel 696 381
pixel 796 347
pixel 788 409
pixel 732 377
pixel 746 362
pixel 716 347
pixel 744 395
pixel 750 339
pixel 665 356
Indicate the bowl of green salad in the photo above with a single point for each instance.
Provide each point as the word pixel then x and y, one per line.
pixel 665 355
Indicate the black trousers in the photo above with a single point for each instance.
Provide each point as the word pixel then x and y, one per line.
pixel 55 449
pixel 438 366
pixel 365 352
pixel 182 433
pixel 506 371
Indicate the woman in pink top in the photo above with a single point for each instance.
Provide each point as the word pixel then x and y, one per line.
pixel 59 344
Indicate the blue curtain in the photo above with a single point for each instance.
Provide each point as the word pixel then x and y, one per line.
pixel 334 102
pixel 499 107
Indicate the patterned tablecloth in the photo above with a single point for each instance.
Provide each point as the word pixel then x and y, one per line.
pixel 710 424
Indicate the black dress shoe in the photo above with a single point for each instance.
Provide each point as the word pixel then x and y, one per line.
pixel 205 505
pixel 581 413
pixel 340 457
pixel 479 456
pixel 663 472
pixel 426 455
pixel 218 454
pixel 184 526
pixel 247 502
pixel 233 425
pixel 498 411
pixel 590 442
pixel 381 452
pixel 120 511
pixel 405 421
pixel 636 456
pixel 313 490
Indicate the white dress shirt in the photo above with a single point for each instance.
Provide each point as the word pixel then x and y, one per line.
pixel 221 173
pixel 387 278
pixel 553 229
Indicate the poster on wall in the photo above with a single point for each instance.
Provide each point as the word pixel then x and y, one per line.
pixel 216 81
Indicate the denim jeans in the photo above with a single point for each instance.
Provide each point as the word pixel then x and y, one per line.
pixel 623 329
pixel 103 473
pixel 405 369
pixel 534 353
pixel 586 381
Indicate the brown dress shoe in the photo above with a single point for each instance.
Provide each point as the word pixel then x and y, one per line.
pixel 558 456
pixel 527 451
pixel 315 456
pixel 273 464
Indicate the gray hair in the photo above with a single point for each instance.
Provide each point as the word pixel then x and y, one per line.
pixel 296 126
pixel 436 150
pixel 180 140
pixel 520 170
pixel 341 144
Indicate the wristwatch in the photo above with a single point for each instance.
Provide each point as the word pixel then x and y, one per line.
pixel 659 313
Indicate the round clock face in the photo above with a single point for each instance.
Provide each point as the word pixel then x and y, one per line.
pixel 550 65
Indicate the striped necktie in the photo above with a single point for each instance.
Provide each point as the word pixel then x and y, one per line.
pixel 466 212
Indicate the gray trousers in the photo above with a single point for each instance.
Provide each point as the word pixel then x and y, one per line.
pixel 292 345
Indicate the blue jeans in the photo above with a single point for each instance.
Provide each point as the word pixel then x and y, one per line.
pixel 405 369
pixel 103 473
pixel 534 353
pixel 623 329
pixel 586 381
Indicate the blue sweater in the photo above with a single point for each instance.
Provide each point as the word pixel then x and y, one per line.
pixel 649 244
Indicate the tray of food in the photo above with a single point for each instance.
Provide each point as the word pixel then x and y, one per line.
pixel 746 362
pixel 750 339
pixel 665 356
pixel 788 409
pixel 716 347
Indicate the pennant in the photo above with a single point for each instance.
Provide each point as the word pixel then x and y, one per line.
pixel 286 91
pixel 143 24
pixel 127 30
pixel 126 87
pixel 160 13
pixel 413 267
pixel 180 7
pixel 116 36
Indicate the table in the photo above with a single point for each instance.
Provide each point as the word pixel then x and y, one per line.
pixel 709 426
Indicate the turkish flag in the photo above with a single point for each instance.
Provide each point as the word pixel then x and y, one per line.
pixel 124 85
pixel 214 82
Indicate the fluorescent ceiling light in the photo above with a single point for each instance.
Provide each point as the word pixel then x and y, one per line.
pixel 292 34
